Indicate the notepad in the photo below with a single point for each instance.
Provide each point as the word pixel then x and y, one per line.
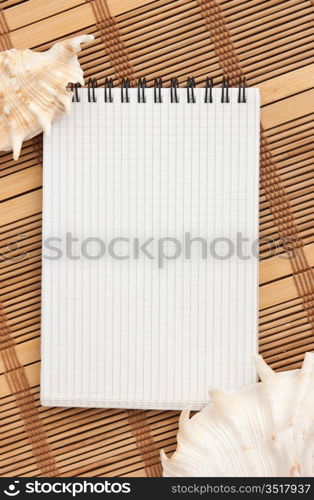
pixel 150 266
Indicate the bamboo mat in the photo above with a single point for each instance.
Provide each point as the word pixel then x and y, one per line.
pixel 267 41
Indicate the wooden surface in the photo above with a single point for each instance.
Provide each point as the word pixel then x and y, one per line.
pixel 267 41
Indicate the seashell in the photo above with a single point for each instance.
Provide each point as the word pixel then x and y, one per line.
pixel 264 429
pixel 33 90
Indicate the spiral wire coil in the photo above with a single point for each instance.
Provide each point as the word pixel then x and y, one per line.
pixel 158 86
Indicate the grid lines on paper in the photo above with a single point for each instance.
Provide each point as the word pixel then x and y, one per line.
pixel 126 328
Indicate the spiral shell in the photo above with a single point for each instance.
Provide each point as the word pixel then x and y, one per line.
pixel 264 429
pixel 33 90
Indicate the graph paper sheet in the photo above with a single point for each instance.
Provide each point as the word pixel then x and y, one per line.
pixel 150 222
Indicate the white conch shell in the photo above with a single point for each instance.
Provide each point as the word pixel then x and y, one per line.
pixel 33 90
pixel 265 429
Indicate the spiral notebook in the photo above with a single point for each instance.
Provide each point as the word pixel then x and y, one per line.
pixel 150 227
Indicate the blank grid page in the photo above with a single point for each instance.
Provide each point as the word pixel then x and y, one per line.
pixel 149 281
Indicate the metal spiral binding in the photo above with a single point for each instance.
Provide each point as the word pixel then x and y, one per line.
pixel 174 84
pixel 92 84
pixel 242 90
pixel 225 90
pixel 209 90
pixel 158 86
pixel 125 90
pixel 190 86
pixel 108 85
pixel 141 90
pixel 74 87
pixel 157 90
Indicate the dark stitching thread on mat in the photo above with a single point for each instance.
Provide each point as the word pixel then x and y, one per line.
pixel 114 46
pixel 122 67
pixel 14 371
pixel 270 180
pixel 221 40
pixel 19 387
pixel 283 217
pixel 144 442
